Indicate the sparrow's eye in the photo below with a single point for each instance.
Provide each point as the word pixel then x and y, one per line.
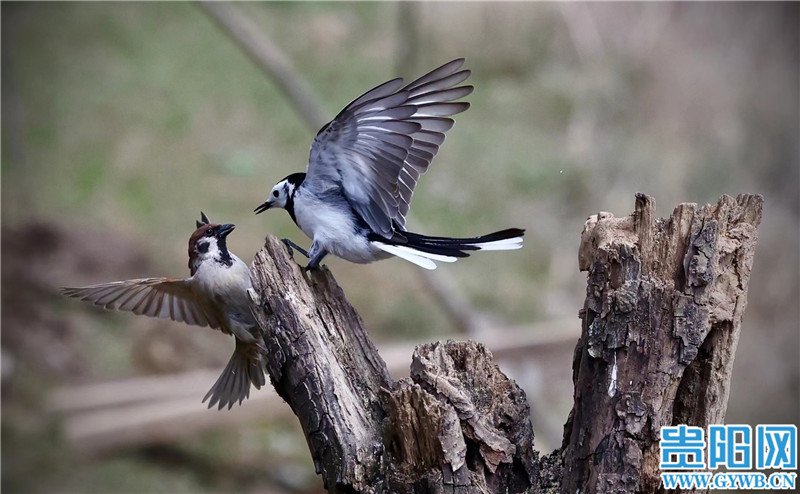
pixel 275 193
pixel 209 233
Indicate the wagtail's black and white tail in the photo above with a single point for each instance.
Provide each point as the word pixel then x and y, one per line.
pixel 362 170
pixel 423 250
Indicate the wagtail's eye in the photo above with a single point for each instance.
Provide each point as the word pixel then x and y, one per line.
pixel 275 193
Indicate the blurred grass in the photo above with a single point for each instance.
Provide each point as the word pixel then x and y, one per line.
pixel 130 118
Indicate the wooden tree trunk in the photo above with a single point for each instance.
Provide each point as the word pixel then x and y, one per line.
pixel 663 310
pixel 324 365
pixel 457 424
pixel 660 325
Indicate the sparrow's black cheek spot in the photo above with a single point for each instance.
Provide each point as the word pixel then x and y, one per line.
pixel 202 247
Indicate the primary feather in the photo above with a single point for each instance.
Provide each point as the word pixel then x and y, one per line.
pixel 163 298
pixel 364 166
pixel 377 146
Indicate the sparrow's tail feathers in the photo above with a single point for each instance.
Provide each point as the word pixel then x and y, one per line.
pixel 422 250
pixel 245 367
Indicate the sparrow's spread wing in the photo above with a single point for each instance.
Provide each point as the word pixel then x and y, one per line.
pixel 165 298
pixel 377 146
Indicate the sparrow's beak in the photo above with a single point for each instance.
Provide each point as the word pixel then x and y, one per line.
pixel 263 207
pixel 225 229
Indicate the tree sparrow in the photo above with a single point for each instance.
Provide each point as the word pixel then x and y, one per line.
pixel 215 295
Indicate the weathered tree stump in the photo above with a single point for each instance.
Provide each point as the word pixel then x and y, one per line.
pixel 458 423
pixel 661 321
pixel 322 362
pixel 660 325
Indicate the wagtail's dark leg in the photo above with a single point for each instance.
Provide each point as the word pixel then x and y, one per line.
pixel 316 254
pixel 291 247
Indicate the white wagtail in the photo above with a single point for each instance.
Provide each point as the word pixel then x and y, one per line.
pixel 364 164
pixel 215 295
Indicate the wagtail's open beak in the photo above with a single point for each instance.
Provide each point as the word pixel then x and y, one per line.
pixel 225 229
pixel 263 207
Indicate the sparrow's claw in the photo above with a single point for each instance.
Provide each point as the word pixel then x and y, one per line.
pixel 291 247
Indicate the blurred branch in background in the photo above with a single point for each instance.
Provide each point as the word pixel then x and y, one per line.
pixel 271 60
pixel 583 31
pixel 408 37
pixel 103 417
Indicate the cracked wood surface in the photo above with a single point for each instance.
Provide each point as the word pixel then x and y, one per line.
pixel 458 424
pixel 323 364
pixel 661 320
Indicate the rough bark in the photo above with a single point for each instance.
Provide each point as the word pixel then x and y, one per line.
pixel 323 364
pixel 457 425
pixel 661 320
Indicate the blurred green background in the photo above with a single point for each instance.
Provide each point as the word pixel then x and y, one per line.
pixel 121 121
